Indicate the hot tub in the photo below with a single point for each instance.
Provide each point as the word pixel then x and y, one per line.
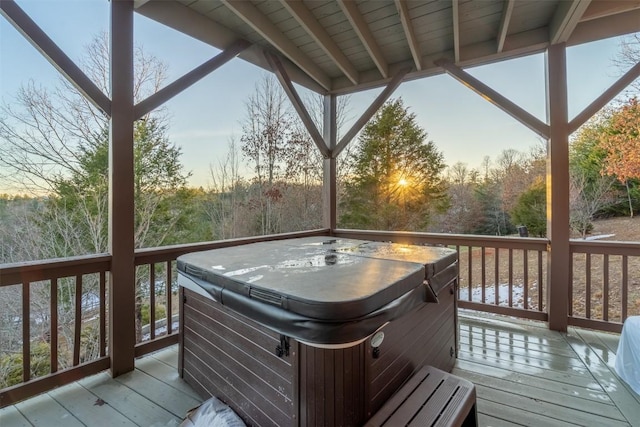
pixel 314 331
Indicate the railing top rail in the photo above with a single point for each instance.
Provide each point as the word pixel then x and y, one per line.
pixel 507 242
pixel 610 247
pixel 33 271
pixel 169 253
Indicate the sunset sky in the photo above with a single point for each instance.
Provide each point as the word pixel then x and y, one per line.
pixel 204 118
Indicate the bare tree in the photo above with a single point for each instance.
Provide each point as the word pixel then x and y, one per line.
pixel 224 207
pixel 586 197
pixel 628 56
pixel 54 143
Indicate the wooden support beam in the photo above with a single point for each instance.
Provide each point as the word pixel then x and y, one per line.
pixel 609 26
pixel 253 17
pixel 565 19
pixel 360 26
pixel 375 105
pixel 495 98
pixel 166 93
pixel 605 98
pixel 291 92
pixel 329 175
pixel 122 293
pixel 559 255
pixel 504 23
pixel 139 3
pixel 414 46
pixel 47 47
pixel 305 18
pixel 456 30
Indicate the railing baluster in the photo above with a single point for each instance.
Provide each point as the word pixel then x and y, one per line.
pixel 459 278
pixel 510 277
pixel 103 314
pixel 470 271
pixel 169 296
pixel 588 286
pixel 152 301
pixel 53 327
pixel 605 288
pixel 625 286
pixel 540 283
pixel 26 332
pixel 78 321
pixel 525 264
pixel 570 290
pixel 496 275
pixel 484 275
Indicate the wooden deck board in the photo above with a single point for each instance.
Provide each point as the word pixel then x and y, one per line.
pixel 10 416
pixel 87 407
pixel 128 402
pixel 166 374
pixel 172 399
pixel 510 414
pixel 527 380
pixel 43 410
pixel 525 375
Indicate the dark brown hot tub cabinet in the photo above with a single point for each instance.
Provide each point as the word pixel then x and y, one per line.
pixel 314 331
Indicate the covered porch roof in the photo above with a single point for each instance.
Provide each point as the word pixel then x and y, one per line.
pixel 346 46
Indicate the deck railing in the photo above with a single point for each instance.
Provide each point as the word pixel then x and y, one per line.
pixel 504 275
pixel 65 339
pixel 605 284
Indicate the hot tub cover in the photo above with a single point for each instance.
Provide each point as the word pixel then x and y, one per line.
pixel 317 290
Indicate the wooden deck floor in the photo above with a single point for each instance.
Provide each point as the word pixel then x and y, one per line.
pixel 528 375
pixel 524 374
pixel 152 395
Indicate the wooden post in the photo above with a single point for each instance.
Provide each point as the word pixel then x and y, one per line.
pixel 121 194
pixel 329 184
pixel 557 189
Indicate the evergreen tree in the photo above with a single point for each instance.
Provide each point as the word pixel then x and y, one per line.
pixel 396 181
pixel 531 209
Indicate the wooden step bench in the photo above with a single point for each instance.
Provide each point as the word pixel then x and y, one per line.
pixel 431 397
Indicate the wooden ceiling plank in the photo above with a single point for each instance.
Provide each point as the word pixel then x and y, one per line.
pixel 456 30
pixel 600 9
pixel 350 9
pixel 373 108
pixel 308 21
pixel 253 17
pixel 291 92
pixel 56 56
pixel 617 87
pixel 565 20
pixel 504 23
pixel 495 98
pixel 409 32
pixel 190 78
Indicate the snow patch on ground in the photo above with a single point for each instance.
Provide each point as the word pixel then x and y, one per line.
pixel 598 236
pixel 503 295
